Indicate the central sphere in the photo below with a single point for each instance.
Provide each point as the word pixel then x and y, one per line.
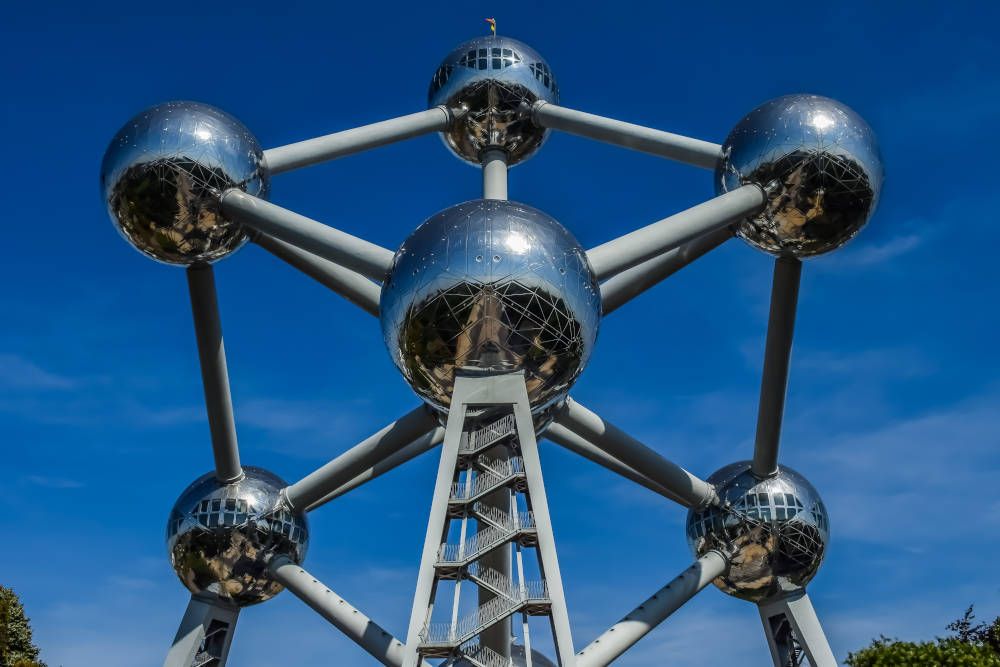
pixel 222 537
pixel 490 286
pixel 775 531
pixel 491 82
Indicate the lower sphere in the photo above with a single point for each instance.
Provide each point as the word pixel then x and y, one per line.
pixel 222 537
pixel 774 530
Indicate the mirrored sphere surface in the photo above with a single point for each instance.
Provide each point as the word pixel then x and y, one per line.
pixel 490 286
pixel 493 81
pixel 162 176
pixel 222 537
pixel 820 164
pixel 776 530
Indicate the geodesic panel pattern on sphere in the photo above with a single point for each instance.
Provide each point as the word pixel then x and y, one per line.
pixel 820 164
pixel 490 286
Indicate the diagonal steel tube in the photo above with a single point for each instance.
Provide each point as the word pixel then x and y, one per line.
pixel 690 490
pixel 629 284
pixel 636 137
pixel 567 439
pixel 329 243
pixel 777 354
pixel 647 242
pixel 348 142
pixel 354 287
pixel 424 443
pixel 624 634
pixel 214 374
pixel 359 628
pixel 355 461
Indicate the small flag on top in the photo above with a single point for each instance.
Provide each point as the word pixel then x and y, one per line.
pixel 493 25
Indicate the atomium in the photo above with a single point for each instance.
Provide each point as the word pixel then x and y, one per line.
pixel 820 164
pixel 775 531
pixel 490 286
pixel 162 176
pixel 492 82
pixel 490 310
pixel 222 537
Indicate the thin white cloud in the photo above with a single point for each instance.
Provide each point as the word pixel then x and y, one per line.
pixel 20 374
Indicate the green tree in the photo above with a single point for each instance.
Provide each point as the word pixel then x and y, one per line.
pixel 971 645
pixel 16 647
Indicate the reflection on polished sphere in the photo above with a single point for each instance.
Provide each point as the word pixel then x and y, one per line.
pixel 222 537
pixel 776 530
pixel 162 176
pixel 492 82
pixel 490 286
pixel 820 164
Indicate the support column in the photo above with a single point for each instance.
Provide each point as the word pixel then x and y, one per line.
pixel 205 633
pixel 793 632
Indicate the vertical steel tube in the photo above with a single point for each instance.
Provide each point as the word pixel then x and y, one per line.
pixel 494 174
pixel 624 634
pixel 214 375
pixel 777 354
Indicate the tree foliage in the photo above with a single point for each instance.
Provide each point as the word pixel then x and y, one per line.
pixel 16 646
pixel 970 645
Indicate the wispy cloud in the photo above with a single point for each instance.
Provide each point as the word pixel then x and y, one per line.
pixel 21 374
pixel 860 255
pixel 54 482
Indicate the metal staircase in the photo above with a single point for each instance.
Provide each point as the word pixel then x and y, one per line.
pixel 501 528
pixel 495 475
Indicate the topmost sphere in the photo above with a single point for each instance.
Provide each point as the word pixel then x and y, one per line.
pixel 820 164
pixel 162 176
pixel 494 80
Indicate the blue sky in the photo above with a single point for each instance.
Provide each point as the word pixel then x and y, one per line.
pixel 892 408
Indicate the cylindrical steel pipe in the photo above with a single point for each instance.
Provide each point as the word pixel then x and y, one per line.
pixel 214 374
pixel 494 174
pixel 329 243
pixel 627 285
pixel 690 490
pixel 777 355
pixel 647 242
pixel 636 137
pixel 394 437
pixel 347 142
pixel 624 634
pixel 422 444
pixel 567 439
pixel 354 287
pixel 359 628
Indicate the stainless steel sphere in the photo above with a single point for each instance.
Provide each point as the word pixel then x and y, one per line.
pixel 222 537
pixel 490 286
pixel 820 164
pixel 162 176
pixel 492 82
pixel 776 530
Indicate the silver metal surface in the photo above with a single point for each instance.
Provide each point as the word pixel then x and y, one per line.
pixel 625 286
pixel 363 456
pixel 696 152
pixel 689 490
pixel 629 250
pixel 355 140
pixel 774 530
pixel 490 286
pixel 222 537
pixel 162 176
pixel 624 634
pixel 777 356
pixel 205 634
pixel 349 251
pixel 821 164
pixel 490 83
pixel 214 373
pixel 355 625
pixel 793 632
